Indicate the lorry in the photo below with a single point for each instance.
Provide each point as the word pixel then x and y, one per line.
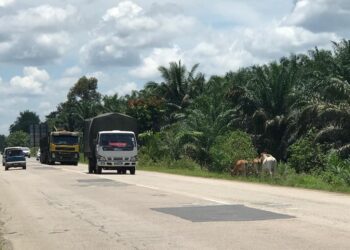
pixel 60 146
pixel 110 143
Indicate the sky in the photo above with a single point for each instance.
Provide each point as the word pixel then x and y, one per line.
pixel 46 46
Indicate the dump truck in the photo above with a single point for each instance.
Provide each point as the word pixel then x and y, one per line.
pixel 110 143
pixel 60 146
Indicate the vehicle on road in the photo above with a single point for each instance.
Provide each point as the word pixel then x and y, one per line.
pixel 110 143
pixel 14 157
pixel 26 151
pixel 60 146
pixel 38 154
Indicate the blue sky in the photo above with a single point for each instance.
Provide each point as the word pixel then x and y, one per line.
pixel 45 46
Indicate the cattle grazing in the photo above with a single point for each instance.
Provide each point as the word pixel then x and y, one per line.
pixel 254 166
pixel 268 163
pixel 240 167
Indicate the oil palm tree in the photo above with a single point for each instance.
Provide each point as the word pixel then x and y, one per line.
pixel 178 88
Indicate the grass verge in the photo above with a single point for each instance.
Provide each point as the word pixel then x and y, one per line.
pixel 284 177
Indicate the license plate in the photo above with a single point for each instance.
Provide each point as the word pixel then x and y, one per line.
pixel 118 163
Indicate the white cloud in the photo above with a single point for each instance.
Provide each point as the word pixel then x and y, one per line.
pixel 126 30
pixel 4 3
pixel 123 89
pixel 31 83
pixel 72 71
pixel 321 15
pixel 276 41
pixel 158 57
pixel 124 9
pixel 97 74
pixel 43 17
pixel 34 49
pixel 36 35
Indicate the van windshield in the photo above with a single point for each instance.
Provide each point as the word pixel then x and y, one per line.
pixel 14 152
pixel 117 142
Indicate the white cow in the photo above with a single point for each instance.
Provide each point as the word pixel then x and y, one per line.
pixel 269 163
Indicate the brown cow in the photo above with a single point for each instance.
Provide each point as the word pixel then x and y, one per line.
pixel 240 167
pixel 257 165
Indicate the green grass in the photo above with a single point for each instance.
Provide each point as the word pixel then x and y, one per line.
pixel 280 179
pixel 82 159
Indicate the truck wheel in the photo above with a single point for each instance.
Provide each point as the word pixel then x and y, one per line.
pixel 91 170
pixel 98 170
pixel 6 168
pixel 91 166
pixel 132 171
pixel 24 167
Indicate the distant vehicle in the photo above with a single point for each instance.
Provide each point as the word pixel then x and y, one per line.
pixel 60 146
pixel 38 154
pixel 110 143
pixel 26 151
pixel 14 157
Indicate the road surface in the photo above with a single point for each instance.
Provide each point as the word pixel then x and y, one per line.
pixel 63 207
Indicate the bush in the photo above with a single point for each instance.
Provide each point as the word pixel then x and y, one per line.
pixel 226 150
pixel 152 146
pixel 337 170
pixel 306 156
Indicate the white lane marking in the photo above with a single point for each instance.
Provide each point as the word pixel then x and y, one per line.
pixel 156 188
pixel 145 186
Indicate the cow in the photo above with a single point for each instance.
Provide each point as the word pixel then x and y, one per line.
pixel 268 163
pixel 254 166
pixel 240 167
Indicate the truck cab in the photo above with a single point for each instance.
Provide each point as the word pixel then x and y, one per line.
pixel 116 150
pixel 60 146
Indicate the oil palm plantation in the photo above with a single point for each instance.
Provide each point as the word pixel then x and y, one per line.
pixel 262 97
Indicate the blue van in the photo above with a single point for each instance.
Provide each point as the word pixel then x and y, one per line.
pixel 14 157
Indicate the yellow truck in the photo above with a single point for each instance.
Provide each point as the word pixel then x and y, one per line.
pixel 60 146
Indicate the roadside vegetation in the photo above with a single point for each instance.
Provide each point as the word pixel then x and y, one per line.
pixel 296 108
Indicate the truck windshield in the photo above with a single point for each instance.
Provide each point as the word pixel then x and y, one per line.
pixel 117 142
pixel 65 140
pixel 14 152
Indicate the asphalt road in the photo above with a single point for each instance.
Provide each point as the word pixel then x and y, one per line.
pixel 63 207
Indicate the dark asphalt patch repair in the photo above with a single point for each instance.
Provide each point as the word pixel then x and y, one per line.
pixel 100 182
pixel 221 213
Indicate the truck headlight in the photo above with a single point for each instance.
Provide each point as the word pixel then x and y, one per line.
pixel 133 158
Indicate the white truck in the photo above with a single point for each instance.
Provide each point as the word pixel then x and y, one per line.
pixel 110 143
pixel 116 150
